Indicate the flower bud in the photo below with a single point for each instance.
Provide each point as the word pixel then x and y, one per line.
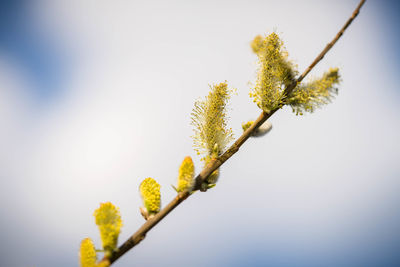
pixel 87 253
pixel 246 125
pixel 186 175
pixel 260 131
pixel 109 222
pixel 150 192
pixel 263 129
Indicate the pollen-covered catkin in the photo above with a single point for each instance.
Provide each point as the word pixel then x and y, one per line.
pixel 87 253
pixel 210 121
pixel 274 72
pixel 186 175
pixel 150 192
pixel 108 219
pixel 246 125
pixel 308 96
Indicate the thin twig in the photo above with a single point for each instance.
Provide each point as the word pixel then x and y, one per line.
pixel 140 234
pixel 290 88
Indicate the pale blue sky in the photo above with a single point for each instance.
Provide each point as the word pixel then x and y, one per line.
pixel 97 95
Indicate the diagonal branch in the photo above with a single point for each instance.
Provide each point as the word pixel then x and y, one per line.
pixel 140 234
pixel 290 88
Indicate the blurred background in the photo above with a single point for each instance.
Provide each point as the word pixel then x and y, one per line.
pixel 95 96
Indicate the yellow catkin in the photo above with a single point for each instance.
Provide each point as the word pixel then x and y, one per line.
pixel 108 219
pixel 257 44
pixel 274 72
pixel 150 192
pixel 186 175
pixel 210 121
pixel 246 125
pixel 103 264
pixel 306 97
pixel 87 253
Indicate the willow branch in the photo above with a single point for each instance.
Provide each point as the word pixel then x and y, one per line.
pixel 140 234
pixel 290 88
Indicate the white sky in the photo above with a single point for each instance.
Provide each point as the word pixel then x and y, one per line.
pixel 324 184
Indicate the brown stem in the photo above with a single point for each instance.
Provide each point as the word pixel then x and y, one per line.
pixel 140 234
